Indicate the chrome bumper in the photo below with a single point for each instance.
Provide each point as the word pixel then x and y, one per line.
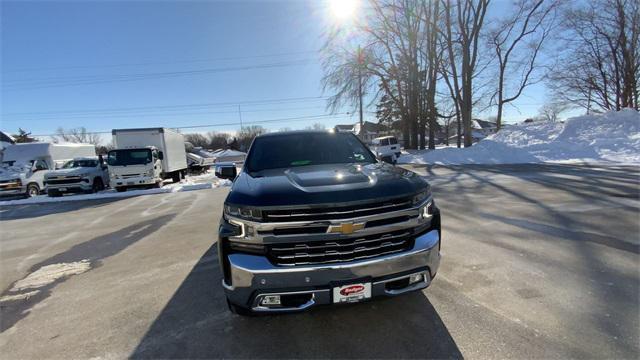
pixel 254 277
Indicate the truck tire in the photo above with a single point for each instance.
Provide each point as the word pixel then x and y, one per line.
pixel 235 309
pixel 98 185
pixel 33 190
pixel 177 176
pixel 121 188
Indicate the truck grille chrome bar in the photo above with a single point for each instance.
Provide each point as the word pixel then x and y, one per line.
pixel 332 213
pixel 322 252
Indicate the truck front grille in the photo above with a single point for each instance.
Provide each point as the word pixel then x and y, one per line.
pixel 357 248
pixel 336 212
pixel 63 181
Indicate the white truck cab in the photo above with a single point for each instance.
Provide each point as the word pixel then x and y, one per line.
pixel 25 166
pixel 145 157
pixel 386 147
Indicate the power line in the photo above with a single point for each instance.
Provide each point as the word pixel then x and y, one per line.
pixel 157 113
pixel 291 119
pixel 32 84
pixel 70 67
pixel 231 104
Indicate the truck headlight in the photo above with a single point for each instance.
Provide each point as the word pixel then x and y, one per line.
pixel 426 212
pixel 420 197
pixel 243 212
pixel 150 172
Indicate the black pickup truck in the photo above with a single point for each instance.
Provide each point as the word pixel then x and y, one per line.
pixel 314 218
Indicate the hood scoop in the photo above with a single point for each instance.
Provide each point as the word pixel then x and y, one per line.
pixel 345 177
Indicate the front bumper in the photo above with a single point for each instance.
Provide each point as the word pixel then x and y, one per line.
pixel 253 277
pixel 69 188
pixel 133 181
pixel 13 191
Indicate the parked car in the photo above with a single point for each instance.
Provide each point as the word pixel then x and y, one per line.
pixel 80 175
pixel 145 157
pixel 314 218
pixel 24 166
pixel 386 148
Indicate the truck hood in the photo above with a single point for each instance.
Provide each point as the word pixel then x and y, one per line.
pixel 70 172
pixel 324 184
pixel 14 172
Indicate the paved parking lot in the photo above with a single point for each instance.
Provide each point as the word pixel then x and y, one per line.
pixel 538 261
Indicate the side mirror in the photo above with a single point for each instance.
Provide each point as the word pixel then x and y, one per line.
pixel 160 155
pixel 226 171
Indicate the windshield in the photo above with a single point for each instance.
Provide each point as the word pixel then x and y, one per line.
pixel 129 157
pixel 290 150
pixel 80 163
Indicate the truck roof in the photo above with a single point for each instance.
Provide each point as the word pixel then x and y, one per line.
pixel 296 132
pixel 160 129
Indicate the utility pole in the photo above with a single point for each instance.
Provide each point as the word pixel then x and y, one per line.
pixel 360 63
pixel 240 115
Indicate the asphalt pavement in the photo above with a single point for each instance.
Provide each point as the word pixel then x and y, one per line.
pixel 539 261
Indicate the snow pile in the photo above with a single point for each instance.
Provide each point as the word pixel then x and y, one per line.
pixel 609 137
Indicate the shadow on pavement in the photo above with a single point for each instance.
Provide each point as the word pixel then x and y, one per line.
pixel 28 211
pixel 195 323
pixel 92 252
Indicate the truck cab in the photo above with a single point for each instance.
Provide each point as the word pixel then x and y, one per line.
pixel 137 167
pixel 80 175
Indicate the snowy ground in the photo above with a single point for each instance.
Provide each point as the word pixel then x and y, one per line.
pixel 197 182
pixel 613 137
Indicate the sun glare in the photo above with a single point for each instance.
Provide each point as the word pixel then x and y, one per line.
pixel 343 9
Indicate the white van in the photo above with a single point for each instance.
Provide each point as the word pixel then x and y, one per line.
pixel 386 147
pixel 25 165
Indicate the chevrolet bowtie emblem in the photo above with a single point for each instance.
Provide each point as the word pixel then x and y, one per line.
pixel 345 228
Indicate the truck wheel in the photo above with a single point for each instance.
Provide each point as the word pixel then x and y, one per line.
pixel 121 188
pixel 177 176
pixel 97 185
pixel 235 309
pixel 33 190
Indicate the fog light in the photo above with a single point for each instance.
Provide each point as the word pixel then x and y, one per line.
pixel 270 300
pixel 415 278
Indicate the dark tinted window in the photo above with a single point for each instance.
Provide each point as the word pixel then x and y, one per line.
pixel 290 150
pixel 384 142
pixel 393 141
pixel 129 157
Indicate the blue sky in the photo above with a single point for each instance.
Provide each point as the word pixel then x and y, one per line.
pixel 115 64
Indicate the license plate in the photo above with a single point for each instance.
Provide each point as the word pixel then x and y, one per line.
pixel 351 293
pixel 62 189
pixel 130 183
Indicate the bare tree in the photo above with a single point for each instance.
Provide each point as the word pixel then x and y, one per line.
pixel 517 41
pixel 551 111
pixel 197 140
pixel 77 135
pixel 600 65
pixel 462 35
pixel 247 134
pixel 316 126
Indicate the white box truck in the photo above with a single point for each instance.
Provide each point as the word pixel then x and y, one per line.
pixel 24 166
pixel 145 157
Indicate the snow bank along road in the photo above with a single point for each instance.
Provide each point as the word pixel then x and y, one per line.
pixel 538 261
